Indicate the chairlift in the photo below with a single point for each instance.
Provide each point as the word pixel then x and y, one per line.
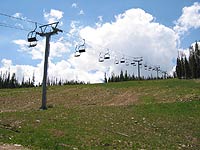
pixel 116 61
pixel 122 61
pixel 127 63
pixel 31 37
pixel 77 53
pixel 107 55
pixel 133 62
pixel 81 48
pixel 101 59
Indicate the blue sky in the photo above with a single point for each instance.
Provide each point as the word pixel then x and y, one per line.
pixel 85 15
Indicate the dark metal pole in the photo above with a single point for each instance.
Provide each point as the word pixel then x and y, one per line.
pixel 44 83
pixel 138 70
pixel 157 72
pixel 44 33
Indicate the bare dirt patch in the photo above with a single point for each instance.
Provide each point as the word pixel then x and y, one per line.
pixel 128 97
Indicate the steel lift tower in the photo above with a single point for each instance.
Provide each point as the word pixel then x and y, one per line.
pixel 45 31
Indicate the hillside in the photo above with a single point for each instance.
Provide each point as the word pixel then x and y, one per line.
pixel 161 114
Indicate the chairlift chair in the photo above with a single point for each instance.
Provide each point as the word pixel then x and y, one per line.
pixel 133 62
pixel 77 53
pixel 122 61
pixel 81 48
pixel 32 38
pixel 127 63
pixel 101 59
pixel 107 55
pixel 116 61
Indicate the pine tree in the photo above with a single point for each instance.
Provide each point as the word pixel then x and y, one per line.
pixel 192 63
pixel 183 72
pixel 187 69
pixel 197 57
pixel 112 77
pixel 178 67
pixel 121 77
pixel 33 80
pixel 126 76
pixel 13 81
pixel 105 78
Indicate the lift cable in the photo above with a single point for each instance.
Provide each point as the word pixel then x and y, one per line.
pixel 13 27
pixel 130 58
pixel 18 18
pixel 30 21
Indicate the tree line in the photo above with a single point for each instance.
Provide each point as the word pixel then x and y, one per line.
pixel 8 80
pixel 124 76
pixel 55 81
pixel 189 68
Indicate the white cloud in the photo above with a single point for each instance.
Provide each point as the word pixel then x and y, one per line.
pixel 74 5
pixel 133 33
pixel 57 49
pixel 190 18
pixel 100 21
pixel 53 15
pixel 21 71
pixel 19 15
pixel 75 27
pixel 6 63
pixel 81 12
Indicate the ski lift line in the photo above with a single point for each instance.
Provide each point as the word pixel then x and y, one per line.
pixel 18 18
pixel 116 51
pixel 71 34
pixel 13 27
pixel 30 21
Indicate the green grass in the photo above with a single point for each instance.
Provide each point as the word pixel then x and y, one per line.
pixel 161 114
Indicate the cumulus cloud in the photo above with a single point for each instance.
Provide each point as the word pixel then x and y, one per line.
pixel 57 48
pixel 132 33
pixel 74 5
pixel 19 15
pixel 6 63
pixel 100 21
pixel 190 18
pixel 81 12
pixel 21 71
pixel 53 15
